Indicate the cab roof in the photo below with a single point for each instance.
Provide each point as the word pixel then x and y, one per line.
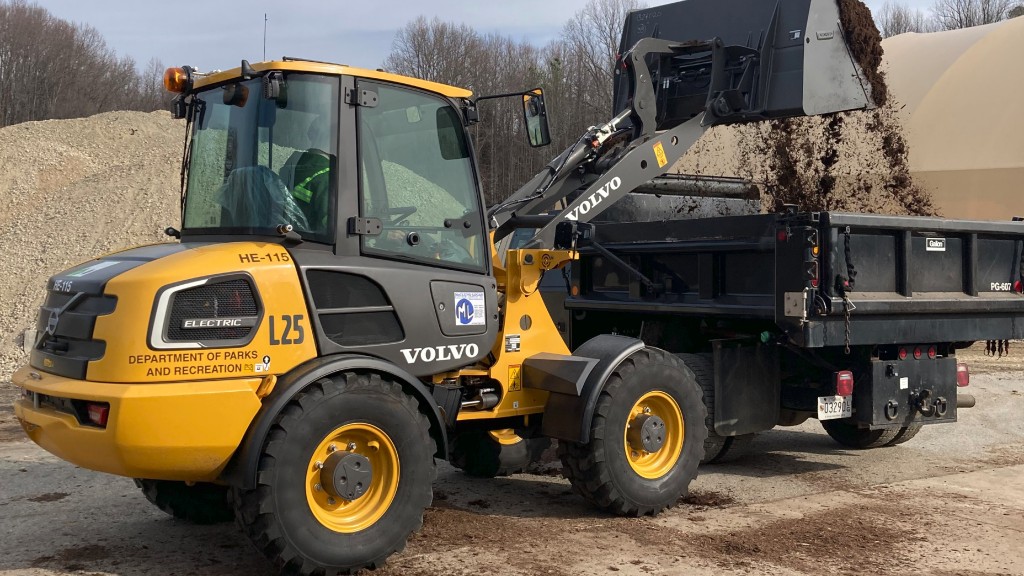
pixel 203 80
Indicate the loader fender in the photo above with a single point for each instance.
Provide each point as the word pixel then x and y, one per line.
pixel 566 416
pixel 242 469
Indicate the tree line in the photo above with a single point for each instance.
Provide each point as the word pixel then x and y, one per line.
pixel 576 72
pixel 896 17
pixel 53 68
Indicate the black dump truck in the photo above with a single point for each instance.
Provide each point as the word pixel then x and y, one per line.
pixel 849 318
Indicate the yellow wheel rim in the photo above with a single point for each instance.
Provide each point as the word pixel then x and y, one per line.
pixel 346 516
pixel 657 463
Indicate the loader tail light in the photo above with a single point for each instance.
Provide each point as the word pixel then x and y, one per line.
pixel 903 353
pixel 1018 287
pixel 98 413
pixel 844 383
pixel 932 352
pixel 963 374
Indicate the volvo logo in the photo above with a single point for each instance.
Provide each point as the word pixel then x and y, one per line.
pixel 51 323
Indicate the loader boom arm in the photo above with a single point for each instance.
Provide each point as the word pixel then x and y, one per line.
pixel 790 59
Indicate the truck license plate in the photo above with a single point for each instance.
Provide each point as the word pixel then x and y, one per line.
pixel 834 407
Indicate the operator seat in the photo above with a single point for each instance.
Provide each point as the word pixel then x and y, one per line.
pixel 254 197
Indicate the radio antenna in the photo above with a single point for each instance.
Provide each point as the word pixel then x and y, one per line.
pixel 264 36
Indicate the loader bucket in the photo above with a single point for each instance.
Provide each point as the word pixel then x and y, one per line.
pixel 747 60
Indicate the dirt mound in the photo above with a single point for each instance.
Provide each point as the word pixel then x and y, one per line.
pixel 75 189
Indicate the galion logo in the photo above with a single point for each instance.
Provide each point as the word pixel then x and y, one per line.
pixel 464 312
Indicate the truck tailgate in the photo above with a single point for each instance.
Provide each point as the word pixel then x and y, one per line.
pixel 901 279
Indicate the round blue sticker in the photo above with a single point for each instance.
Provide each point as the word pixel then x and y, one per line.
pixel 464 312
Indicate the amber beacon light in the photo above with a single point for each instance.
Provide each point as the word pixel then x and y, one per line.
pixel 177 80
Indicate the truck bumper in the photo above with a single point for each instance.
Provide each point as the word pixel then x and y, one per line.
pixel 167 431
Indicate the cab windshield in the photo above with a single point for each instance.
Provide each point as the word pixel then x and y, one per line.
pixel 258 163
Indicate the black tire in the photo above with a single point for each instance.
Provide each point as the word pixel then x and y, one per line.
pixel 602 472
pixel 200 503
pixel 284 516
pixel 905 433
pixel 717 448
pixel 479 453
pixel 849 435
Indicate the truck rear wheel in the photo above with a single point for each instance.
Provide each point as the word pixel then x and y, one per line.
pixel 850 435
pixel 199 503
pixel 717 448
pixel 487 454
pixel 905 433
pixel 344 477
pixel 646 437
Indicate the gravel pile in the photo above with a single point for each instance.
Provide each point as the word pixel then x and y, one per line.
pixel 72 190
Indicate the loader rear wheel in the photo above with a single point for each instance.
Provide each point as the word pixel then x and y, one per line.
pixel 488 454
pixel 199 503
pixel 646 437
pixel 905 433
pixel 717 448
pixel 344 477
pixel 850 435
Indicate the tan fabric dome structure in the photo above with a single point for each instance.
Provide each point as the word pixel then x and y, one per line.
pixel 964 119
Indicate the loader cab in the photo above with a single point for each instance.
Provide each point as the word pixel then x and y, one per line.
pixel 388 175
pixel 368 180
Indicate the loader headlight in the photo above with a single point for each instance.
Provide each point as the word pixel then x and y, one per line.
pixel 220 311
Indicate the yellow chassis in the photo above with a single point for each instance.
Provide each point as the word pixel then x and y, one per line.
pixel 168 431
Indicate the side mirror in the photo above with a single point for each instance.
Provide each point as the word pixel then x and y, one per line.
pixel 537 130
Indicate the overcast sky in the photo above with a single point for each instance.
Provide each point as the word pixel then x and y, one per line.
pixel 217 34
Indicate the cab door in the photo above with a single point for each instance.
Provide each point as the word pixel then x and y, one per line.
pixel 419 293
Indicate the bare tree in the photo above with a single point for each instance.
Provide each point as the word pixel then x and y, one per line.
pixel 52 68
pixel 593 36
pixel 897 18
pixel 1016 11
pixel 955 14
pixel 434 50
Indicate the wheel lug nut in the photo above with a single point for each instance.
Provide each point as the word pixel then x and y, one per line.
pixel 318 465
pixel 647 410
pixel 318 487
pixel 331 501
pixel 332 448
pixel 351 446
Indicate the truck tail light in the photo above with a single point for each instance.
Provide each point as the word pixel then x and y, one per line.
pixel 1018 286
pixel 98 413
pixel 812 272
pixel 932 352
pixel 963 374
pixel 917 352
pixel 903 353
pixel 844 383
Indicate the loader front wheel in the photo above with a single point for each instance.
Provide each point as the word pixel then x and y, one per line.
pixel 344 477
pixel 199 503
pixel 646 437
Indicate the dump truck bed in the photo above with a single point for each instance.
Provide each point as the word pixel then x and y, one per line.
pixel 902 279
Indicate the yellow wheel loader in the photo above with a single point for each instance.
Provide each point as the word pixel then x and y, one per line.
pixel 334 316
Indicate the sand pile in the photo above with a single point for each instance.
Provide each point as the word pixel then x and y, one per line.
pixel 75 189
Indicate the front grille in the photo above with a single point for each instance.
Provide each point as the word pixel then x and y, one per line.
pixel 64 342
pixel 227 300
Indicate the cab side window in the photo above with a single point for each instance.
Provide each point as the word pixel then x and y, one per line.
pixel 417 178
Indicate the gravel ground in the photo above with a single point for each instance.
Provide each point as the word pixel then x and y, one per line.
pixel 950 501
